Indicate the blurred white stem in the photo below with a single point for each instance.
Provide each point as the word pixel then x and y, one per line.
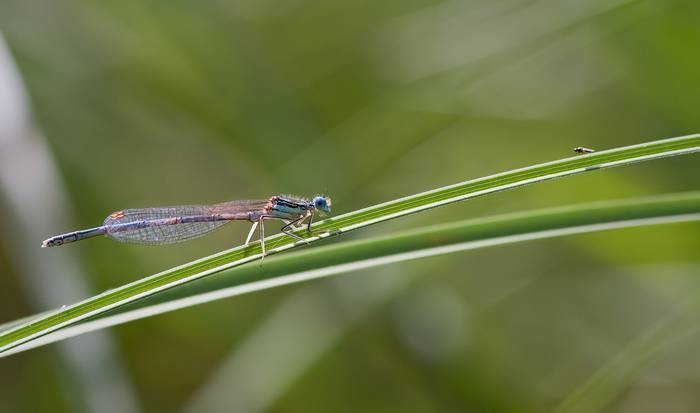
pixel 35 199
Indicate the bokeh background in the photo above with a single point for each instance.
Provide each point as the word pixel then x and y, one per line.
pixel 107 105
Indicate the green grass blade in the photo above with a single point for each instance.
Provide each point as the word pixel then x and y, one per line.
pixel 418 243
pixel 148 286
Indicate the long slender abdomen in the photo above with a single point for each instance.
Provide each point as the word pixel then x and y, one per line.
pixel 57 240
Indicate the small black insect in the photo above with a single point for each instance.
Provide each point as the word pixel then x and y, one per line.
pixel 581 149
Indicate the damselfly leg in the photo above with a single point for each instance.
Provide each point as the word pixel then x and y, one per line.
pixel 250 234
pixel 262 237
pixel 311 220
pixel 287 229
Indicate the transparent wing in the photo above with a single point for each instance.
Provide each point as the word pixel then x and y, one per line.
pixel 154 226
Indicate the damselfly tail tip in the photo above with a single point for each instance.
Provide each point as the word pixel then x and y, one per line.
pixel 46 243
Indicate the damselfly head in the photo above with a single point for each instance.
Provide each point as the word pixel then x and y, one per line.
pixel 322 203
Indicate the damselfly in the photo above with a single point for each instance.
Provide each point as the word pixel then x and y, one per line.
pixel 154 226
pixel 581 149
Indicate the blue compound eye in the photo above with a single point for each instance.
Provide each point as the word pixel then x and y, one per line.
pixel 322 203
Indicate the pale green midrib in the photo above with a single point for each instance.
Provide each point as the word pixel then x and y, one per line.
pixel 661 148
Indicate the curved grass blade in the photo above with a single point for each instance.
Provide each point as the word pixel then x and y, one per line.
pixel 145 287
pixel 424 242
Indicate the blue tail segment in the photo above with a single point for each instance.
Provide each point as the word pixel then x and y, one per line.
pixel 73 236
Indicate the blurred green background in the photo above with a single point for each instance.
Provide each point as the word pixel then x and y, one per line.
pixel 117 104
